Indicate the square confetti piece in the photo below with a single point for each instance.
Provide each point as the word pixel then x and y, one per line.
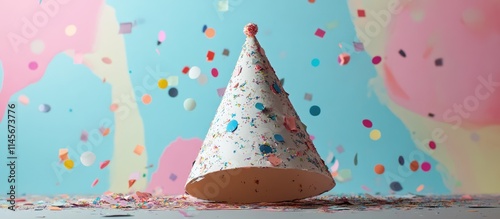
pixel 172 177
pixel 358 46
pixel 139 149
pixel 320 33
pixel 308 96
pixel 361 13
pixel 221 91
pixel 125 28
pixel 185 70
pixel 225 52
pixel 63 154
pixel 340 149
pixel 173 80
pixel 210 56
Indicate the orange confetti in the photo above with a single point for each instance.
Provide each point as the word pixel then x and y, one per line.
pixel 210 56
pixel 54 208
pixel 275 161
pixel 379 169
pixel 131 182
pixel 104 131
pixel 335 174
pixel 210 32
pixel 113 107
pixel 312 1
pixel 63 154
pixel 420 188
pixel 106 60
pixel 104 164
pixel 139 149
pixel 146 99
pixel 414 166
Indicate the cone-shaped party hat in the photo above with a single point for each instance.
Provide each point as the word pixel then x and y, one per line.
pixel 256 149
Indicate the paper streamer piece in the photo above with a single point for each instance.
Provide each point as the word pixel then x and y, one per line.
pixel 257 149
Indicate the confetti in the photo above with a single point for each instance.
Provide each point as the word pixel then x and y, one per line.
pixel 104 164
pixel 376 60
pixel 37 47
pixel 131 182
pixel 358 46
pixel 215 72
pixel 69 164
pixel 44 108
pixel 125 28
pixel 146 99
pixel 379 169
pixel 361 13
pixel 426 166
pixel 344 59
pixel 204 28
pixel 225 52
pixel 344 175
pixel 420 188
pixel 315 110
pixel 320 33
pixel 161 37
pixel 63 154
pixel 23 99
pixel 260 106
pixel 330 158
pixel 432 145
pixel 104 131
pixel 194 72
pixel 223 5
pixel 340 149
pixel 210 33
pixel 173 92
pixel 367 123
pixel 221 91
pixel 95 182
pixel 274 160
pixel 474 137
pixel 356 159
pixel 70 30
pixel 138 149
pixel 203 79
pixel 84 136
pixel 375 134
pixel 210 56
pixel 438 62
pixel 232 126
pixel 315 62
pixel 402 53
pixel 106 60
pixel 396 186
pixel 185 70
pixel 162 83
pixel 308 97
pixel 87 158
pixel 172 177
pixel 401 160
pixel 414 166
pixel 113 107
pixel 173 80
pixel 189 104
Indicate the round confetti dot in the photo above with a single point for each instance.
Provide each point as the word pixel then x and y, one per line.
pixel 194 72
pixel 279 138
pixel 87 158
pixel 113 107
pixel 367 123
pixel 33 65
pixel 189 104
pixel 376 60
pixel 414 166
pixel 173 92
pixel 315 62
pixel 396 186
pixel 426 166
pixel 23 99
pixel 265 149
pixel 375 134
pixel 401 160
pixel 210 32
pixel 314 110
pixel 232 126
pixel 420 188
pixel 70 30
pixel 432 145
pixel 106 60
pixel 162 83
pixel 44 108
pixel 311 1
pixel 260 106
pixel 69 164
pixel 215 72
pixel 37 46
pixel 203 79
pixel 379 169
pixel 146 99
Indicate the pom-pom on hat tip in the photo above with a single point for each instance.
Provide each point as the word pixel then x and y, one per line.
pixel 251 29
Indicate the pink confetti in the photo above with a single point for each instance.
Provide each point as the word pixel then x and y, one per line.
pixel 340 149
pixel 366 188
pixel 376 60
pixel 221 91
pixel 320 33
pixel 95 182
pixel 312 137
pixel 84 136
pixel 275 161
pixel 290 123
pixel 367 123
pixel 104 164
pixel 426 166
pixel 125 28
pixel 185 214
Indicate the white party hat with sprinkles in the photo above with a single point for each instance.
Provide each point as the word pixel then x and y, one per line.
pixel 256 149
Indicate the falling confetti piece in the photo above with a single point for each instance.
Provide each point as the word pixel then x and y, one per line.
pixel 315 62
pixel 44 108
pixel 106 60
pixel 335 166
pixel 104 131
pixel 420 188
pixel 376 60
pixel 203 79
pixel 113 107
pixel 162 83
pixel 185 70
pixel 221 91
pixel 172 177
pixel 402 53
pixel 361 13
pixel 84 136
pixel 70 30
pixel 367 123
pixel 69 164
pixel 131 182
pixel 210 56
pixel 356 159
pixel 274 160
pixel 320 33
pixel 37 47
pixel 87 158
pixel 426 166
pixel 215 72
pixel 315 110
pixel 340 149
pixel 414 166
pixel 173 92
pixel 23 100
pixel 396 186
pixel 95 182
pixel 210 33
pixel 189 104
pixel 232 126
pixel 401 160
pixel 63 154
pixel 329 158
pixel 375 134
pixel 125 28
pixel 358 46
pixel 344 59
pixel 432 145
pixel 379 169
pixel 173 80
pixel 194 72
pixel 138 149
pixel 161 37
pixel 438 62
pixel 225 52
pixel 308 97
pixel 104 164
pixel 366 188
pixel 33 65
pixel 146 99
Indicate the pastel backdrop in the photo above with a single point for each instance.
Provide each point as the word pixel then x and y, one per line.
pixel 128 89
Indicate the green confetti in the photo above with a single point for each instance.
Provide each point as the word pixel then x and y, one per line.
pixel 356 159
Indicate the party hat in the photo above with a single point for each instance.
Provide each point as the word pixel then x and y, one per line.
pixel 257 149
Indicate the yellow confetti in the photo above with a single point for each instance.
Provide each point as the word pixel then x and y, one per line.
pixel 162 83
pixel 69 164
pixel 375 134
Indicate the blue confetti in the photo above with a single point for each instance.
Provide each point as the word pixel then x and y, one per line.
pixel 266 149
pixel 279 138
pixel 260 106
pixel 315 110
pixel 232 126
pixel 204 28
pixel 396 186
pixel 401 160
pixel 277 88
